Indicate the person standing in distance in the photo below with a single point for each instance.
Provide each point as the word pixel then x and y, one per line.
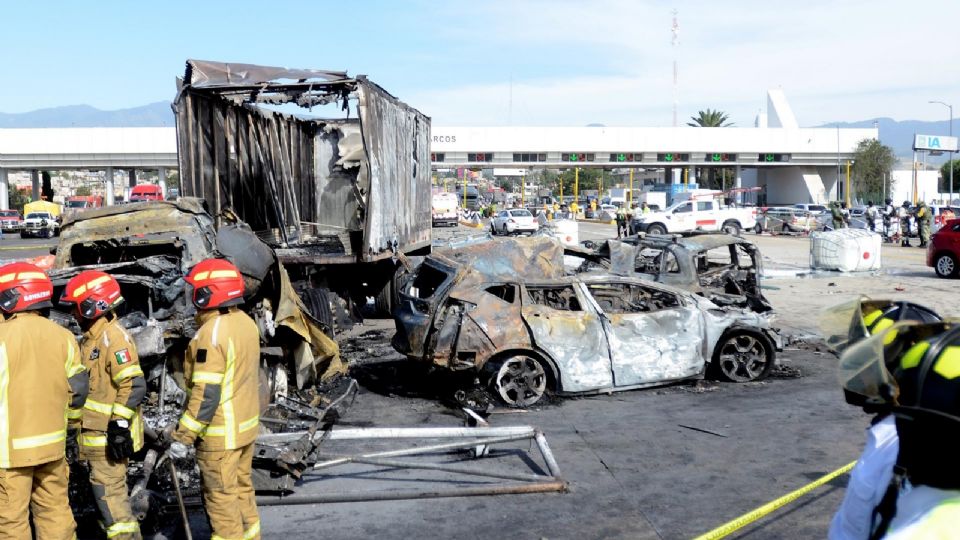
pixel 222 367
pixel 43 386
pixel 112 426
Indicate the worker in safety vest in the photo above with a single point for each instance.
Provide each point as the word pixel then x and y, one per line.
pixel 112 425
pixel 924 223
pixel 844 325
pixel 914 369
pixel 43 385
pixel 222 369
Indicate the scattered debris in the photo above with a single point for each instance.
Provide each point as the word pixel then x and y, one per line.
pixel 702 430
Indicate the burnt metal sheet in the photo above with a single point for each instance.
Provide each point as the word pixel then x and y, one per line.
pixel 659 346
pixel 207 74
pixel 575 341
pixel 397 171
pixel 347 189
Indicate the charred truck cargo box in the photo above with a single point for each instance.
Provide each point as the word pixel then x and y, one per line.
pixel 339 199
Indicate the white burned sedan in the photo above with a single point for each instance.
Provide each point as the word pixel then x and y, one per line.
pixel 514 221
pixel 574 336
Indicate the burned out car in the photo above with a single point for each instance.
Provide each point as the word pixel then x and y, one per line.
pixel 504 310
pixel 724 268
pixel 148 247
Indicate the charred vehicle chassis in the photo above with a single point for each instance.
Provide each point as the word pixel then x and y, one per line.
pixel 503 310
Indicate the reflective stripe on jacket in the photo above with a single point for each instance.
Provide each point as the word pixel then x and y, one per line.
pixel 117 384
pixel 222 367
pixel 42 385
pixel 925 513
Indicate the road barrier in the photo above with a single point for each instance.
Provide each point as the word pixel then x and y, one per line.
pixel 772 506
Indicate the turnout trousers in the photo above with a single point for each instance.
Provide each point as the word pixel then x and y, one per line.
pixel 42 490
pixel 228 493
pixel 108 480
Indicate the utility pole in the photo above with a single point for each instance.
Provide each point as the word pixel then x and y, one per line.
pixel 674 42
pixel 947 105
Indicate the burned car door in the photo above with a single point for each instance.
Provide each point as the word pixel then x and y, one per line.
pixel 653 336
pixel 568 328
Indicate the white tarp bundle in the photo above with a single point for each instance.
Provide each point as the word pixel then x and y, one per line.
pixel 847 250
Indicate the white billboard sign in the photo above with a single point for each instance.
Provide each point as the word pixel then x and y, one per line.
pixel 935 142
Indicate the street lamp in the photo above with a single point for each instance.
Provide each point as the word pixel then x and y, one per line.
pixel 947 105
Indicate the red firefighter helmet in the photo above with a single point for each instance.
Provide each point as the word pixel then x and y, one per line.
pixel 93 292
pixel 23 287
pixel 216 283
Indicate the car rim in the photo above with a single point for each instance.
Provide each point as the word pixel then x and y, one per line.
pixel 945 265
pixel 742 358
pixel 521 381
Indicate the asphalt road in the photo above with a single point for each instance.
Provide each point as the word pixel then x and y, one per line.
pixel 671 462
pixel 637 465
pixel 14 247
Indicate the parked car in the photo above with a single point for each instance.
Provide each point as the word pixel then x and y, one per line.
pixel 812 208
pixel 40 225
pixel 10 220
pixel 495 318
pixel 723 268
pixel 514 221
pixel 943 252
pixel 784 219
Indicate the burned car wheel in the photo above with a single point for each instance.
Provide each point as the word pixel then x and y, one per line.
pixel 519 380
pixel 743 356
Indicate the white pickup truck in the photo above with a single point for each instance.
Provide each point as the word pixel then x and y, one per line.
pixel 695 215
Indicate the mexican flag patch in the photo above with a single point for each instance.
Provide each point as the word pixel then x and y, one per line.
pixel 123 356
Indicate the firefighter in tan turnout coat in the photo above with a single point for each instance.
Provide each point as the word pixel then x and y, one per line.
pixel 42 385
pixel 222 370
pixel 112 426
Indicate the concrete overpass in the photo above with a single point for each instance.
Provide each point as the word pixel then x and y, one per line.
pixel 794 164
pixel 107 149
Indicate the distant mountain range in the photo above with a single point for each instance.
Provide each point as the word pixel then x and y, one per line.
pixel 895 134
pixel 156 114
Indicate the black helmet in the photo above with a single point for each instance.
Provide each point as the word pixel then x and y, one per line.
pixel 888 201
pixel 928 408
pixel 906 204
pixel 845 324
pixel 869 203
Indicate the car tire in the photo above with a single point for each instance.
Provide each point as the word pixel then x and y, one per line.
pixel 758 229
pixel 317 302
pixel 786 229
pixel 23 235
pixel 519 379
pixel 945 265
pixel 731 227
pixel 742 356
pixel 656 228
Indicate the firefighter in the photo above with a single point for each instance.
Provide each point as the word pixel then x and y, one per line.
pixel 912 370
pixel 622 221
pixel 112 425
pixel 222 369
pixel 924 223
pixel 869 478
pixel 44 385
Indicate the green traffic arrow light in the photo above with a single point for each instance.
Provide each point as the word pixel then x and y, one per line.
pixel 668 157
pixel 716 157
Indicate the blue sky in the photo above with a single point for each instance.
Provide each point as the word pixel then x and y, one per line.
pixel 500 62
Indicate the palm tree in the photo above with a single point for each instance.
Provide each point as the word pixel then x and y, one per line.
pixel 710 118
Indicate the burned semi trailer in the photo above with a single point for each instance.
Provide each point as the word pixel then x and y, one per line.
pixel 340 200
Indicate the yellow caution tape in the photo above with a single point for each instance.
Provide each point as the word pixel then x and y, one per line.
pixel 772 506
